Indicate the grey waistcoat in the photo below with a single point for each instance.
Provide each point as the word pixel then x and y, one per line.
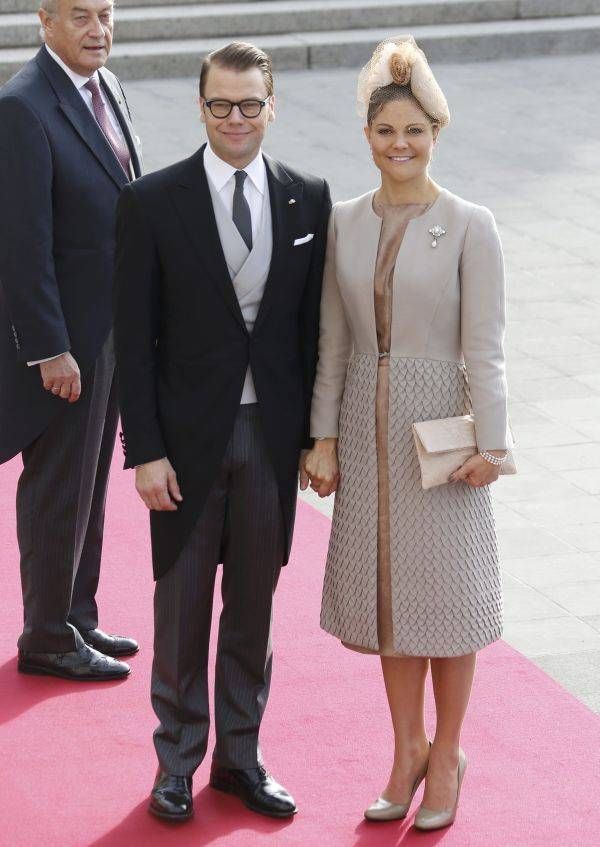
pixel 248 269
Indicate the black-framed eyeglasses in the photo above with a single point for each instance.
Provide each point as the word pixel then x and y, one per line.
pixel 223 108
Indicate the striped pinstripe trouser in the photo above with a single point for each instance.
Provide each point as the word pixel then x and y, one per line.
pixel 240 526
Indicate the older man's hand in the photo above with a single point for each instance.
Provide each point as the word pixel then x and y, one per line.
pixel 61 376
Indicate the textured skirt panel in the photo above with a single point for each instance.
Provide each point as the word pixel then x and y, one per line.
pixel 446 587
pixel 349 608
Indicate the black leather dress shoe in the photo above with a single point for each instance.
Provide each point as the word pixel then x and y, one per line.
pixel 256 789
pixel 81 664
pixel 171 797
pixel 110 645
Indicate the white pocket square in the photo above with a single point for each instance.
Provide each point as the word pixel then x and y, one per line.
pixel 306 238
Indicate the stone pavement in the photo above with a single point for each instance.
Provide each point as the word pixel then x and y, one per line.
pixel 525 141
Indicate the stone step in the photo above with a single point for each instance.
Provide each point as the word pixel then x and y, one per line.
pixel 32 6
pixel 523 8
pixel 274 17
pixel 351 48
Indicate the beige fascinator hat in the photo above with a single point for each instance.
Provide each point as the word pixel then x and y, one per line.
pixel 400 61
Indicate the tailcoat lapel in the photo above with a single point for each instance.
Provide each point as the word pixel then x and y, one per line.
pixel 79 116
pixel 282 190
pixel 191 197
pixel 114 93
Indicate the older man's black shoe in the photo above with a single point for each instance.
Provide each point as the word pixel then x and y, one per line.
pixel 84 664
pixel 110 645
pixel 171 797
pixel 256 789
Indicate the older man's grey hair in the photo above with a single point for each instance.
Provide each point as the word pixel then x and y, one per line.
pixel 51 8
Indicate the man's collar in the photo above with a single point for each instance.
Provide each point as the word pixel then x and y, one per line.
pixel 221 172
pixel 77 80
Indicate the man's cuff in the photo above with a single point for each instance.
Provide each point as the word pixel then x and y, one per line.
pixel 49 359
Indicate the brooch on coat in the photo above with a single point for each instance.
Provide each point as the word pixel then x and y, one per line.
pixel 437 231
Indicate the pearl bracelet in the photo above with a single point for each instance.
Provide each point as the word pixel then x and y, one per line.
pixel 493 460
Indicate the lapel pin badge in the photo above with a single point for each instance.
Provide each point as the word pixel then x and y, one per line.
pixel 291 202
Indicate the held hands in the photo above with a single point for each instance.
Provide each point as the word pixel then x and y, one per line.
pixel 61 376
pixel 321 468
pixel 156 483
pixel 304 478
pixel 477 472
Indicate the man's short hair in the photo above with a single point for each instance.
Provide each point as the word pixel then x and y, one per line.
pixel 239 56
pixel 49 6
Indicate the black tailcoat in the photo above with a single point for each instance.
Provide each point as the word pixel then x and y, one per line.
pixel 182 344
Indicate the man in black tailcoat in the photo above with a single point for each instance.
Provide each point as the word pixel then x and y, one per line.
pixel 218 284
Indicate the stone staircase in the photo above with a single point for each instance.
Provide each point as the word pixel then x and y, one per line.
pixel 156 38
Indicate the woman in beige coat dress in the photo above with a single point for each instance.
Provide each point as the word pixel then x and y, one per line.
pixel 412 324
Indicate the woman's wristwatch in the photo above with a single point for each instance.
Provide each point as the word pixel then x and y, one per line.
pixel 493 460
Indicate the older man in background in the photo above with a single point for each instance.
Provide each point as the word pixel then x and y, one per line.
pixel 67 148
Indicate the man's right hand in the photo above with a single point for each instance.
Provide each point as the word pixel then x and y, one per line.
pixel 156 483
pixel 61 376
pixel 322 467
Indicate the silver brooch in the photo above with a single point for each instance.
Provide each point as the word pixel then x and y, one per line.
pixel 437 231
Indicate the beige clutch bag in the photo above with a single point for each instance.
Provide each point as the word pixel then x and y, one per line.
pixel 444 445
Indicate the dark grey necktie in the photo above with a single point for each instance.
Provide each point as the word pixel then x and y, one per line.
pixel 241 210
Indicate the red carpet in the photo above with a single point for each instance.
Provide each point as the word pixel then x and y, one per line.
pixel 77 759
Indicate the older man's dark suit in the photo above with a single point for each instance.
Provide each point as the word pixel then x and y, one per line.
pixel 59 183
pixel 182 353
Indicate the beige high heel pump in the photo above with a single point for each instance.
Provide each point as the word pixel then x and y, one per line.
pixel 428 819
pixel 383 810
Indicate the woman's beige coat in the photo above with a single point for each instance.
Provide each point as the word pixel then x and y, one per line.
pixel 449 305
pixel 447 323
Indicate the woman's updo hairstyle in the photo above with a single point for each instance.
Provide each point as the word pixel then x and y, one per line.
pixel 388 94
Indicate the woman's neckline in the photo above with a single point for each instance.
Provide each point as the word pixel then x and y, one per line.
pixel 429 207
pixel 383 205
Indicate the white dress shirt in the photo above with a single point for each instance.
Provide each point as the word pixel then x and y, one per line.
pixel 221 176
pixel 79 83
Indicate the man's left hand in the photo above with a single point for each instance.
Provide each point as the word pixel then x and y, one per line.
pixel 61 376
